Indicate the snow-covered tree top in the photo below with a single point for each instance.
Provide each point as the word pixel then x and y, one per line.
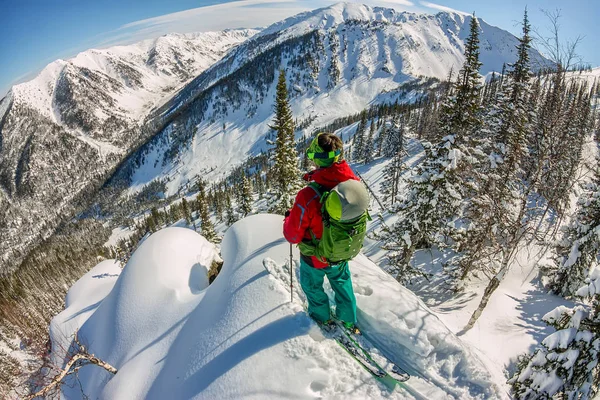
pixel 592 286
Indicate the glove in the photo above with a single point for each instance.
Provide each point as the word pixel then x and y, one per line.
pixel 287 213
pixel 308 176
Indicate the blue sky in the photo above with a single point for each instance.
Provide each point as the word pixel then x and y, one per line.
pixel 34 33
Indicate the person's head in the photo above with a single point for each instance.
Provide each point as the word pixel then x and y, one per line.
pixel 325 149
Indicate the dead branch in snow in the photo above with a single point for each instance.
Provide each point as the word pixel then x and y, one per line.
pixel 78 360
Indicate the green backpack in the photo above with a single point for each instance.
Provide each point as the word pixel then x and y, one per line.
pixel 345 214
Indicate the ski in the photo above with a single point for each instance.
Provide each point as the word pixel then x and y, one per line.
pixel 391 369
pixel 353 349
pixel 358 348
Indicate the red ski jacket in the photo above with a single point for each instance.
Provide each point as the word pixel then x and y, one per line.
pixel 305 215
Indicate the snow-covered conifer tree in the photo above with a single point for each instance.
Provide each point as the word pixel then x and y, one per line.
pixel 578 250
pixel 437 190
pixel 424 212
pixel 566 364
pixel 395 148
pixel 359 139
pixel 208 229
pixel 368 145
pixel 246 204
pixel 285 168
pixel 381 138
pixel 186 211
pixel 218 204
pixel 230 218
pixel 495 212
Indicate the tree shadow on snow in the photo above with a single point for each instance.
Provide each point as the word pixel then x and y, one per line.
pixel 436 292
pixel 536 303
pixel 84 310
pixel 105 275
pixel 251 280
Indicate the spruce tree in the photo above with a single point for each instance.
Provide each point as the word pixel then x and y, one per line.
pixel 285 158
pixel 381 139
pixel 447 176
pixel 208 229
pixel 246 204
pixel 424 213
pixel 368 145
pixel 578 250
pixel 565 365
pixel 461 112
pixel 230 217
pixel 497 212
pixel 494 212
pixel 395 148
pixel 186 211
pixel 156 218
pixel 218 207
pixel 565 146
pixel 173 214
pixel 151 224
pixel 359 139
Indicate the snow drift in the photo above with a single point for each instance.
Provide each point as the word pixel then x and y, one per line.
pixel 170 335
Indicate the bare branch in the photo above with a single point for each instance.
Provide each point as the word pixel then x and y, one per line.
pixel 563 56
pixel 80 359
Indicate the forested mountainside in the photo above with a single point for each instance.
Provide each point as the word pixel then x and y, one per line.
pixel 337 61
pixel 378 79
pixel 63 133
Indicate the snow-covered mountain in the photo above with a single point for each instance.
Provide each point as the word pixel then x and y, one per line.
pixel 337 60
pixel 170 335
pixel 122 82
pixel 63 132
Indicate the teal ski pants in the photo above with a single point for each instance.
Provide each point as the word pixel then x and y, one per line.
pixel 311 280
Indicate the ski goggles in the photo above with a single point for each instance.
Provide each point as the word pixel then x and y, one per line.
pixel 316 152
pixel 322 155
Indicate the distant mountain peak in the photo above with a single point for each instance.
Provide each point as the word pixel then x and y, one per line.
pixel 173 59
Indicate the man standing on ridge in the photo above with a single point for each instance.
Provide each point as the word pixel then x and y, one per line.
pixel 303 225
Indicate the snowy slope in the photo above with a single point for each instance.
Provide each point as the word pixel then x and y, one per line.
pixel 511 324
pixel 139 75
pixel 170 337
pixel 434 42
pixel 338 61
pixel 63 133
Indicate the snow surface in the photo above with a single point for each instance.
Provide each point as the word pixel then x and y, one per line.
pixel 170 336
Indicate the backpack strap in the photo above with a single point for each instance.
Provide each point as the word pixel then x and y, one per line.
pixel 320 190
pixel 322 193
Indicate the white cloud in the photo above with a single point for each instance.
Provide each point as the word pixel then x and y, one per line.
pixel 442 8
pixel 401 2
pixel 237 14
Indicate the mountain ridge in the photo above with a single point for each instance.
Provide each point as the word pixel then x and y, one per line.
pixel 217 119
pixel 68 127
pixel 327 54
